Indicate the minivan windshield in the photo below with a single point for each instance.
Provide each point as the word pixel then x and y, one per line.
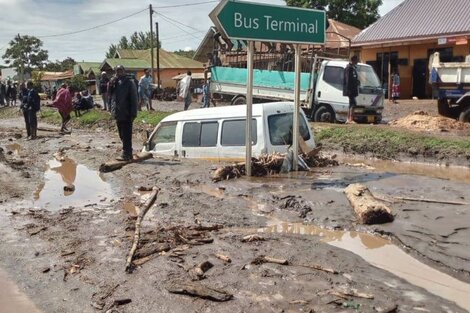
pixel 367 77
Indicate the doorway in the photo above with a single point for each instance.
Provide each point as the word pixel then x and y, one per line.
pixel 420 67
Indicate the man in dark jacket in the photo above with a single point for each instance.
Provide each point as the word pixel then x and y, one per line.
pixel 30 106
pixel 124 110
pixel 351 86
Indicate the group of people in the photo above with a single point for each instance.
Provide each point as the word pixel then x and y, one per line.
pixel 8 93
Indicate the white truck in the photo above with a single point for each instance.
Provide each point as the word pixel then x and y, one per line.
pixel 451 85
pixel 321 89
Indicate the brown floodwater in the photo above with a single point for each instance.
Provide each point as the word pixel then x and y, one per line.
pixel 454 173
pixel 89 186
pixel 12 300
pixel 15 148
pixel 383 254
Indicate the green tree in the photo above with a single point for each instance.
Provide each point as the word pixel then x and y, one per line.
pixel 25 53
pixel 359 13
pixel 78 83
pixel 60 66
pixel 187 54
pixel 136 41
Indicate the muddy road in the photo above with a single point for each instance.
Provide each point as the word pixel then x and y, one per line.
pixel 65 251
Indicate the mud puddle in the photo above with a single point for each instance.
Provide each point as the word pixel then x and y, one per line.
pixel 383 254
pixel 84 186
pixel 454 173
pixel 12 300
pixel 15 148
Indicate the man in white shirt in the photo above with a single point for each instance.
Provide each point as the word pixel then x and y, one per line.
pixel 145 89
pixel 184 90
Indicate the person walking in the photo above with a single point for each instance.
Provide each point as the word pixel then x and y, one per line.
pixel 184 90
pixel 13 94
pixel 124 110
pixel 395 86
pixel 104 80
pixel 7 93
pixel 63 103
pixel 30 106
pixel 145 89
pixel 205 95
pixel 351 87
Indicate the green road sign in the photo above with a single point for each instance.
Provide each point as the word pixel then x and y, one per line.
pixel 262 22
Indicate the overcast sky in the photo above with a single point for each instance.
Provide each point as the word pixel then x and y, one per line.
pixel 182 26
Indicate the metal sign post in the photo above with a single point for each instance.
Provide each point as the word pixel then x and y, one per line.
pixel 296 115
pixel 249 107
pixel 273 23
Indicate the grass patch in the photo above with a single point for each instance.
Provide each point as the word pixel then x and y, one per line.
pixel 93 117
pixel 387 143
pixel 152 117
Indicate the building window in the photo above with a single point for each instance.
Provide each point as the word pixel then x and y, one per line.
pixel 445 54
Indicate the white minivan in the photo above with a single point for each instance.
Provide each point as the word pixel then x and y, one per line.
pixel 219 133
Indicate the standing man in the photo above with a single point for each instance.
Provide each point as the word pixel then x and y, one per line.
pixel 184 90
pixel 3 91
pixel 30 107
pixel 145 89
pixel 8 92
pixel 124 110
pixel 104 80
pixel 351 86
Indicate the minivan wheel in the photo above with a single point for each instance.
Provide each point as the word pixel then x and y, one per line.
pixel 324 114
pixel 239 100
pixel 465 116
pixel 443 107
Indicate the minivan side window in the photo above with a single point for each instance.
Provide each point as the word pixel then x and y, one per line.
pixel 333 75
pixel 233 132
pixel 280 129
pixel 197 134
pixel 164 134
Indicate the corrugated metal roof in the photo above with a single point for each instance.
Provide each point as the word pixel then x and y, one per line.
pixel 130 64
pixel 416 19
pixel 55 76
pixel 168 60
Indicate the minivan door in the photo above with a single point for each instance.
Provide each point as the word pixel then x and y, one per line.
pixel 199 139
pixel 162 140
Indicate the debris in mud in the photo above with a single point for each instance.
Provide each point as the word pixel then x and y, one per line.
pixel 266 259
pixel 421 120
pixel 369 209
pixel 346 293
pixel 267 164
pixel 252 238
pixel 33 229
pixel 198 272
pixel 69 188
pixel 197 289
pixel 319 268
pixel 224 258
pixel 116 165
pixel 140 217
pixel 98 299
pixel 293 203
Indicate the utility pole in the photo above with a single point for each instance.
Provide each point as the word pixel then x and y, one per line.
pixel 158 54
pixel 151 41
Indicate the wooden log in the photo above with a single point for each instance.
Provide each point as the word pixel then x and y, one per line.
pixel 116 165
pixel 151 200
pixel 320 268
pixel 223 257
pixel 197 289
pixel 368 208
pixel 266 259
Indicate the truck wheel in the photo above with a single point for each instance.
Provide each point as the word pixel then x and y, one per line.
pixel 238 100
pixel 443 107
pixel 324 114
pixel 465 116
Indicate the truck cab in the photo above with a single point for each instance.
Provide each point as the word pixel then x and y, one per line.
pixel 329 103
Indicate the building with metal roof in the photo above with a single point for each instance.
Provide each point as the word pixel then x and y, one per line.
pixel 136 61
pixel 404 38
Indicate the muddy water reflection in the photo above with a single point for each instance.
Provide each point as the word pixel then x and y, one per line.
pixel 12 300
pixel 15 148
pixel 89 186
pixel 456 173
pixel 384 254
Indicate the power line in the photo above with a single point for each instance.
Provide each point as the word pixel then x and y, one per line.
pixel 184 5
pixel 94 27
pixel 176 25
pixel 178 22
